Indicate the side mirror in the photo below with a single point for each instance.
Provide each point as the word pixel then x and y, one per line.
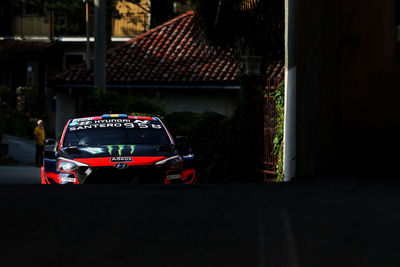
pixel 49 142
pixel 49 149
pixel 49 152
pixel 182 145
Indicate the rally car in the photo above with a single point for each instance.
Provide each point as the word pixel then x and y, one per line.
pixel 117 148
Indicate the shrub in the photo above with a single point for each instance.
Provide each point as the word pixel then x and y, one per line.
pixel 1 119
pixel 215 141
pixel 5 110
pixel 279 98
pixel 105 102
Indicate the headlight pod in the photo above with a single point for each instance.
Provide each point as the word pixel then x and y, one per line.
pixel 172 163
pixel 68 165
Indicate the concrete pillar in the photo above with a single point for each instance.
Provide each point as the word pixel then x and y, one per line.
pixel 317 83
pixel 289 152
pixel 100 44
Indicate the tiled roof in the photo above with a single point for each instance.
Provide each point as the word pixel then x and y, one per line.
pixel 168 53
pixel 275 73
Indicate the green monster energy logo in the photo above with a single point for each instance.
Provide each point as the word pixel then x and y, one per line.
pixel 120 148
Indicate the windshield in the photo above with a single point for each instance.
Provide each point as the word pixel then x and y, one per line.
pixel 107 132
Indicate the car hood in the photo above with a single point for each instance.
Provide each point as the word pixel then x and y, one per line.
pixel 117 151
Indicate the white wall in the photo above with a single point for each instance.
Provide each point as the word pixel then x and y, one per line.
pixel 221 102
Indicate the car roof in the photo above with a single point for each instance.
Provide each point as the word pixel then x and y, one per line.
pixel 115 116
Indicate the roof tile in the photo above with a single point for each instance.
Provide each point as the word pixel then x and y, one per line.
pixel 168 53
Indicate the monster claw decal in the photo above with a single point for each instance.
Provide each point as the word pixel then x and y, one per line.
pixel 109 149
pixel 120 148
pixel 123 150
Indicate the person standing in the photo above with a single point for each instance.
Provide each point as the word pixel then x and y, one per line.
pixel 39 138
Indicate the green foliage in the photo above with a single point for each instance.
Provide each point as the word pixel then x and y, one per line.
pixel 216 143
pixel 6 98
pixel 216 140
pixel 23 126
pixel 1 119
pixel 182 123
pixel 20 110
pixel 105 102
pixel 35 107
pixel 147 107
pixel 251 29
pixel 279 98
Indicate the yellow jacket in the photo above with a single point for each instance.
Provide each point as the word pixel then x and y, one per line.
pixel 39 135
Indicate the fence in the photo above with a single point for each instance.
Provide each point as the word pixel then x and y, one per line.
pixel 275 74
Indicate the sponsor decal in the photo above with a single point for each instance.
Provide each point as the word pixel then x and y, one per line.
pixel 68 180
pixel 83 124
pixel 121 159
pixel 83 119
pixel 174 176
pixel 111 120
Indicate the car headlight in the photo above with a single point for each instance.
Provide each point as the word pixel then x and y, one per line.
pixel 68 165
pixel 172 163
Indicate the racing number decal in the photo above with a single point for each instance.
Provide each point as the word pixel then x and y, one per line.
pixel 113 123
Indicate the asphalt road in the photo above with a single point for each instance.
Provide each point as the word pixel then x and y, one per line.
pixel 338 223
pixel 23 151
pixel 20 149
pixel 320 223
pixel 19 174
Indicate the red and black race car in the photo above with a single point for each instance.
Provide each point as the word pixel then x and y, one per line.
pixel 117 148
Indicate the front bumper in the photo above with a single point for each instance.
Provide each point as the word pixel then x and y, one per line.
pixel 132 175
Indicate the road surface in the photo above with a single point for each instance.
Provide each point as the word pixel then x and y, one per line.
pixel 19 174
pixel 20 149
pixel 23 151
pixel 319 223
pixel 293 225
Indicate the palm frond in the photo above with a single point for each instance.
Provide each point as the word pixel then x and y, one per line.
pixel 253 27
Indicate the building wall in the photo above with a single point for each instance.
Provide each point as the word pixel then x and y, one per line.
pixel 195 100
pixel 66 108
pixel 220 101
pixel 134 20
pixel 29 25
pixel 348 86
